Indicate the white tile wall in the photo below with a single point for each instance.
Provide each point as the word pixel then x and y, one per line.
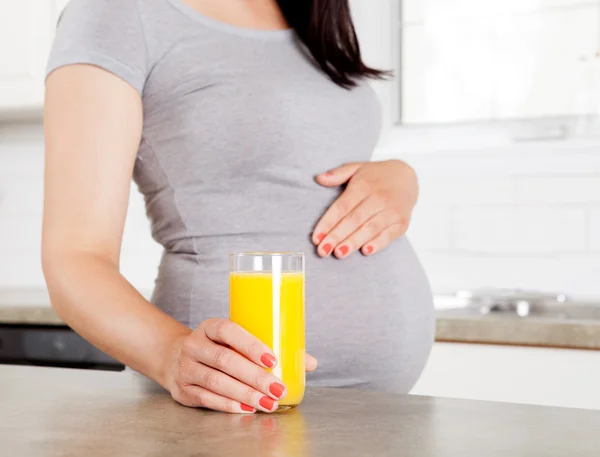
pixel 575 274
pixel 594 231
pixel 527 230
pixel 514 217
pixel 461 190
pixel 21 192
pixel 429 228
pixel 559 189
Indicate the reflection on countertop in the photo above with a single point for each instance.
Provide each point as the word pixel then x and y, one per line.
pixel 579 329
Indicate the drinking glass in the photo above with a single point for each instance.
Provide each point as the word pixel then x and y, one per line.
pixel 267 299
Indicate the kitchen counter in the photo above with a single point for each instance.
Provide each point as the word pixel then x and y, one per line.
pixel 32 307
pixel 50 412
pixel 514 331
pixel 29 315
pixel 27 307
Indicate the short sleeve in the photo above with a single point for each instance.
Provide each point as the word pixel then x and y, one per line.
pixel 105 33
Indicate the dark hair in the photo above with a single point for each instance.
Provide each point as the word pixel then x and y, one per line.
pixel 327 30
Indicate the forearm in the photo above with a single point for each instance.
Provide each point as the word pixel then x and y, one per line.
pixel 93 298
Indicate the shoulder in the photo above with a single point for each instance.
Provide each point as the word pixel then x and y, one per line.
pixel 106 33
pixel 100 11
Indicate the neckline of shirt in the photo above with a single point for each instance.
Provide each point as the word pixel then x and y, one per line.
pixel 280 34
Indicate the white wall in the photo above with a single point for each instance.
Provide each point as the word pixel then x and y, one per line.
pixel 522 216
pixel 21 192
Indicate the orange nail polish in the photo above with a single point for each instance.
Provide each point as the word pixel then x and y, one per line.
pixel 248 409
pixel 369 249
pixel 268 360
pixel 277 389
pixel 320 237
pixel 267 403
pixel 344 250
pixel 327 249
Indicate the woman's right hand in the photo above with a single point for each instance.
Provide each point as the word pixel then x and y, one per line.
pixel 220 366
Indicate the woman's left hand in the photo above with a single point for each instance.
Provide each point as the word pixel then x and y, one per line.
pixel 374 209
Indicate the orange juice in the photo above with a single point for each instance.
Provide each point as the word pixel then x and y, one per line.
pixel 271 307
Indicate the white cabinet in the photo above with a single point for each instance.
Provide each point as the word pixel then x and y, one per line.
pixel 26 31
pixel 538 376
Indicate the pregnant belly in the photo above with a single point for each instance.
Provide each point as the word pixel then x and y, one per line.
pixel 369 320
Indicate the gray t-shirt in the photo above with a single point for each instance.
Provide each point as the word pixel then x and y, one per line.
pixel 237 123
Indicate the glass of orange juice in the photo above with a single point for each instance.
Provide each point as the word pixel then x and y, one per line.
pixel 266 297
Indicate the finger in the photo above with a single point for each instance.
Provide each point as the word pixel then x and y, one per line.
pixel 338 176
pixel 350 223
pixel 366 232
pixel 311 363
pixel 233 364
pixel 198 397
pixel 346 202
pixel 228 333
pixel 383 239
pixel 221 384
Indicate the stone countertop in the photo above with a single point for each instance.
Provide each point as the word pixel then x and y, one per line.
pixel 32 307
pixel 48 412
pixel 29 315
pixel 515 331
pixel 27 307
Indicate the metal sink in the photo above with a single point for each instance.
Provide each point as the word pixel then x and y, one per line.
pixel 518 304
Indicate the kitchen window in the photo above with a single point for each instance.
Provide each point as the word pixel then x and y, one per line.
pixel 498 71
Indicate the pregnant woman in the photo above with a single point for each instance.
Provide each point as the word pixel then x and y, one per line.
pixel 247 126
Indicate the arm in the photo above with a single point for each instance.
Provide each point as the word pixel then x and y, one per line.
pixel 93 123
pixel 93 127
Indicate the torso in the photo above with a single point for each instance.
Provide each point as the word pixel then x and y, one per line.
pixel 236 125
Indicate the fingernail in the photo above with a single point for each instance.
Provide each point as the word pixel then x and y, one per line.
pixel 268 360
pixel 344 250
pixel 267 403
pixel 320 237
pixel 327 249
pixel 369 249
pixel 277 389
pixel 328 174
pixel 248 409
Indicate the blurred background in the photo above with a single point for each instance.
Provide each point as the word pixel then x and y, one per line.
pixel 495 103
